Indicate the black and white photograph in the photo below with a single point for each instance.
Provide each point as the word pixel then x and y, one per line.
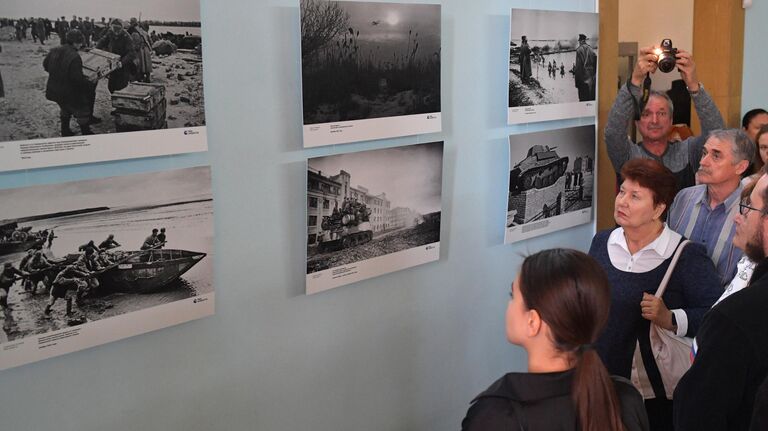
pixel 551 181
pixel 371 213
pixel 552 65
pixel 86 81
pixel 89 262
pixel 369 70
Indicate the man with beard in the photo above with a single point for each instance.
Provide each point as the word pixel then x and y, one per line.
pixel 118 41
pixel 705 212
pixel 719 391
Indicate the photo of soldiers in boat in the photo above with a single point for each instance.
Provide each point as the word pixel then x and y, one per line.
pixel 369 204
pixel 97 249
pixel 552 57
pixel 74 68
pixel 552 174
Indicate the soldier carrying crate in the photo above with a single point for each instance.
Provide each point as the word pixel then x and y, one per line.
pixel 67 86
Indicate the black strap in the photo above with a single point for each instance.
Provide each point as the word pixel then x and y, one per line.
pixel 640 104
pixel 649 362
pixel 519 415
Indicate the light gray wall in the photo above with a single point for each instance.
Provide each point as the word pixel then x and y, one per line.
pixel 754 87
pixel 405 351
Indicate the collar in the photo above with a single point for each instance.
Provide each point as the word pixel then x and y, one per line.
pixel 658 245
pixel 527 387
pixel 732 199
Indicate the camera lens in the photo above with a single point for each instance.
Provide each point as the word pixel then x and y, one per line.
pixel 667 62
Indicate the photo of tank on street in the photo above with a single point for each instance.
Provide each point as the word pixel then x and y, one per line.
pixel 372 204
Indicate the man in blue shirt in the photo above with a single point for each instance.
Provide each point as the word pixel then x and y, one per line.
pixel 705 212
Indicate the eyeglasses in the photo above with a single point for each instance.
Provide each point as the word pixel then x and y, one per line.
pixel 744 209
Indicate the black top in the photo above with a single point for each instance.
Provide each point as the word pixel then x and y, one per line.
pixel 545 403
pixel 719 391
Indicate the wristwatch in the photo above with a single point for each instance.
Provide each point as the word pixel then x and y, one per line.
pixel 693 93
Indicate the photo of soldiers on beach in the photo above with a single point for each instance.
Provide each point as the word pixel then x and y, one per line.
pixel 112 257
pixel 82 68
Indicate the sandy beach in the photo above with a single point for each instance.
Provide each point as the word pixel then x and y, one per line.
pixel 26 114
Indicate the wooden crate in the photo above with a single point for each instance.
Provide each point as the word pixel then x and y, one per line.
pixel 131 120
pixel 98 64
pixel 139 96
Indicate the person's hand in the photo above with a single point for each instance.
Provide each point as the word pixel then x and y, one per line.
pixel 687 68
pixel 647 62
pixel 654 309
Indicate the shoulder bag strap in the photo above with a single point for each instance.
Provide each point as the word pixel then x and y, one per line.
pixel 671 269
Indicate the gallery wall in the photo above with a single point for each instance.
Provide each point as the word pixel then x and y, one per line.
pixel 754 92
pixel 404 351
pixel 648 22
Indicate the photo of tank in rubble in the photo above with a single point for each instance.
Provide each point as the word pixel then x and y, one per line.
pixel 346 228
pixel 371 205
pixel 136 72
pixel 553 177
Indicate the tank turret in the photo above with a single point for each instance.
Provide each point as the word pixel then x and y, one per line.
pixel 540 168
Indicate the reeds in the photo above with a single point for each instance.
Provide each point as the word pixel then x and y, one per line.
pixel 343 76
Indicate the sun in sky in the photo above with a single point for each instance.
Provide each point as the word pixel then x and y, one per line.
pixel 393 18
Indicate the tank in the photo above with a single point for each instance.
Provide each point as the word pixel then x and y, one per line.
pixel 540 168
pixel 346 228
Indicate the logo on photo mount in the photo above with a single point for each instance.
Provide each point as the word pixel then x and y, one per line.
pixel 191 132
pixel 431 117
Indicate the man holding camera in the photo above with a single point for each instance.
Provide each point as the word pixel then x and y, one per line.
pixel 654 119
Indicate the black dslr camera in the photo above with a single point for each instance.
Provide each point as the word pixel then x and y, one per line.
pixel 667 57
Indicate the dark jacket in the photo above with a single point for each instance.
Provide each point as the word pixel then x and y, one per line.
pixel 718 392
pixel 545 402
pixel 66 83
pixel 118 43
pixel 760 411
pixel 121 44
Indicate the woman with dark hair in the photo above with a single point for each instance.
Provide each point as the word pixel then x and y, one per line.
pixel 761 142
pixel 559 304
pixel 752 121
pixel 635 256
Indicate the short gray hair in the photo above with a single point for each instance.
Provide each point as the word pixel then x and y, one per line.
pixel 665 96
pixel 741 146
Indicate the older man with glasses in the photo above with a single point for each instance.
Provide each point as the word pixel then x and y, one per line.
pixel 719 391
pixel 705 212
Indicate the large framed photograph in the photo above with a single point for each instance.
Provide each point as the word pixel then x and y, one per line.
pixel 369 70
pixel 372 213
pixel 89 262
pixel 551 181
pixel 552 65
pixel 85 82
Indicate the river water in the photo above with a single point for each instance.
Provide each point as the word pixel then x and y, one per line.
pixel 160 29
pixel 560 88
